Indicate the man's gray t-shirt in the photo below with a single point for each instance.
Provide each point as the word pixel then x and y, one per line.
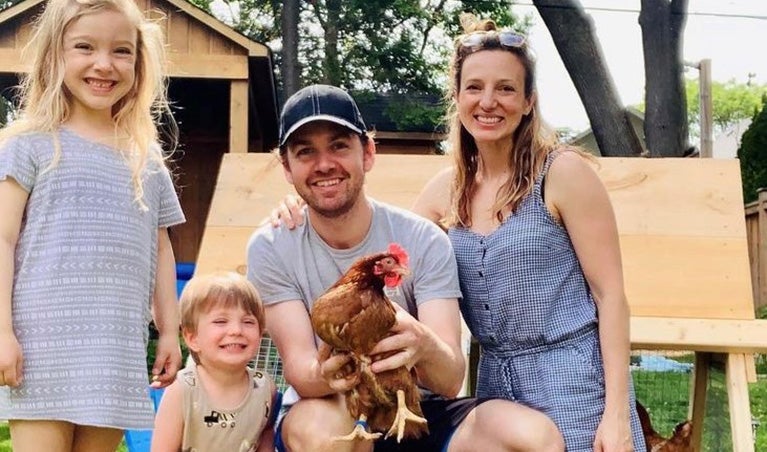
pixel 297 264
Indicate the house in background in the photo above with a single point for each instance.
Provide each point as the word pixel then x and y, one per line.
pixel 587 141
pixel 400 122
pixel 221 85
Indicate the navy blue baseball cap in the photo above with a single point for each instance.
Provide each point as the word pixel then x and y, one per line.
pixel 319 103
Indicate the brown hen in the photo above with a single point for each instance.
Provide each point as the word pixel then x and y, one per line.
pixel 680 440
pixel 352 317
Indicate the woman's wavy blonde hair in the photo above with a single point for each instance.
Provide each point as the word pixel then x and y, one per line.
pixel 46 104
pixel 531 143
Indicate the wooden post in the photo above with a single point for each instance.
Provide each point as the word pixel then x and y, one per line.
pixel 238 116
pixel 706 110
pixel 698 386
pixel 761 237
pixel 738 402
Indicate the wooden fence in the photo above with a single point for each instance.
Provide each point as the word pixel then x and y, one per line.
pixel 756 230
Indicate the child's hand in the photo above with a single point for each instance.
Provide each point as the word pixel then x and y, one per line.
pixel 167 360
pixel 11 360
pixel 288 212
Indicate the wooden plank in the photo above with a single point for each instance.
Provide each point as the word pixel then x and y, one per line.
pixel 238 116
pixel 178 32
pixel 703 335
pixel 697 411
pixel 199 40
pixel 223 249
pixel 760 238
pixel 687 276
pixel 740 408
pixel 211 66
pixel 751 375
pixel 659 270
pixel 241 202
pixel 667 197
pixel 11 61
pixel 219 45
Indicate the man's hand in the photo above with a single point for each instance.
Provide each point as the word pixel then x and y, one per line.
pixel 338 370
pixel 407 343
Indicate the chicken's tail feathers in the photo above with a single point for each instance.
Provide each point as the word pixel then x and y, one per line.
pixel 644 419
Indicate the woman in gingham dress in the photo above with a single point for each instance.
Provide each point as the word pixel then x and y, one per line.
pixel 537 249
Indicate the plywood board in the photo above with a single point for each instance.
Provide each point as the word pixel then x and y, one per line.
pixel 681 224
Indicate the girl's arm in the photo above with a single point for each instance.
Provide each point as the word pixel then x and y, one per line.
pixel 169 421
pixel 13 199
pixel 165 311
pixel 575 194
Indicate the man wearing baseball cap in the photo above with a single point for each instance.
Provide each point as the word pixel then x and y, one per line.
pixel 325 151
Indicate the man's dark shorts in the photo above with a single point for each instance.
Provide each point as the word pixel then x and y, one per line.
pixel 444 417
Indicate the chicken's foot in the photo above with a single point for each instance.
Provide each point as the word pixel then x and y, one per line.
pixel 359 432
pixel 403 415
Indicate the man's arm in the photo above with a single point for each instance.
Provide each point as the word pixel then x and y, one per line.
pixel 431 344
pixel 291 330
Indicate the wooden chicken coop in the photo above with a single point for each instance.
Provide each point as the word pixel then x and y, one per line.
pixel 221 87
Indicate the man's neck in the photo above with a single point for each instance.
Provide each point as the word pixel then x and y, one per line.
pixel 347 230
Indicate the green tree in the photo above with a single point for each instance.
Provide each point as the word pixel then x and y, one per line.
pixel 662 23
pixel 387 46
pixel 753 154
pixel 731 102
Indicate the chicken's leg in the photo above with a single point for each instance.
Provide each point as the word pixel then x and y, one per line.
pixel 403 415
pixel 359 432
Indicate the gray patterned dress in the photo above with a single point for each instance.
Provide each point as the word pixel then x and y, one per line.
pixel 527 302
pixel 84 276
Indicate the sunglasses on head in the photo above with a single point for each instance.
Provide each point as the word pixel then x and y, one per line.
pixel 508 39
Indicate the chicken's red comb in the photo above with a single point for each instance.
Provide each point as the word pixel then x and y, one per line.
pixel 399 253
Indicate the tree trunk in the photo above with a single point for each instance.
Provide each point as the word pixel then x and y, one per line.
pixel 665 126
pixel 291 71
pixel 332 63
pixel 576 42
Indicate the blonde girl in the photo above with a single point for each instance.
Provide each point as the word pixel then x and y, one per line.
pixel 85 258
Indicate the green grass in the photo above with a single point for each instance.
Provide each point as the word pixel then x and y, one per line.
pixel 666 396
pixel 5 440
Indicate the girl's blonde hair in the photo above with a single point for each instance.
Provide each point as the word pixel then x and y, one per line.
pixel 531 143
pixel 46 104
pixel 218 289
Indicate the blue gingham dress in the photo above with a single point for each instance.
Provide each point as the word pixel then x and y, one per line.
pixel 527 302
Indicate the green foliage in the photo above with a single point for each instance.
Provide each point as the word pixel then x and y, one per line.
pixel 731 101
pixel 758 393
pixel 5 4
pixel 666 395
pixel 753 155
pixel 408 113
pixel 384 46
pixel 5 438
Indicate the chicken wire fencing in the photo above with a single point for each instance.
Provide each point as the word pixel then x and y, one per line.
pixel 662 382
pixel 268 360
